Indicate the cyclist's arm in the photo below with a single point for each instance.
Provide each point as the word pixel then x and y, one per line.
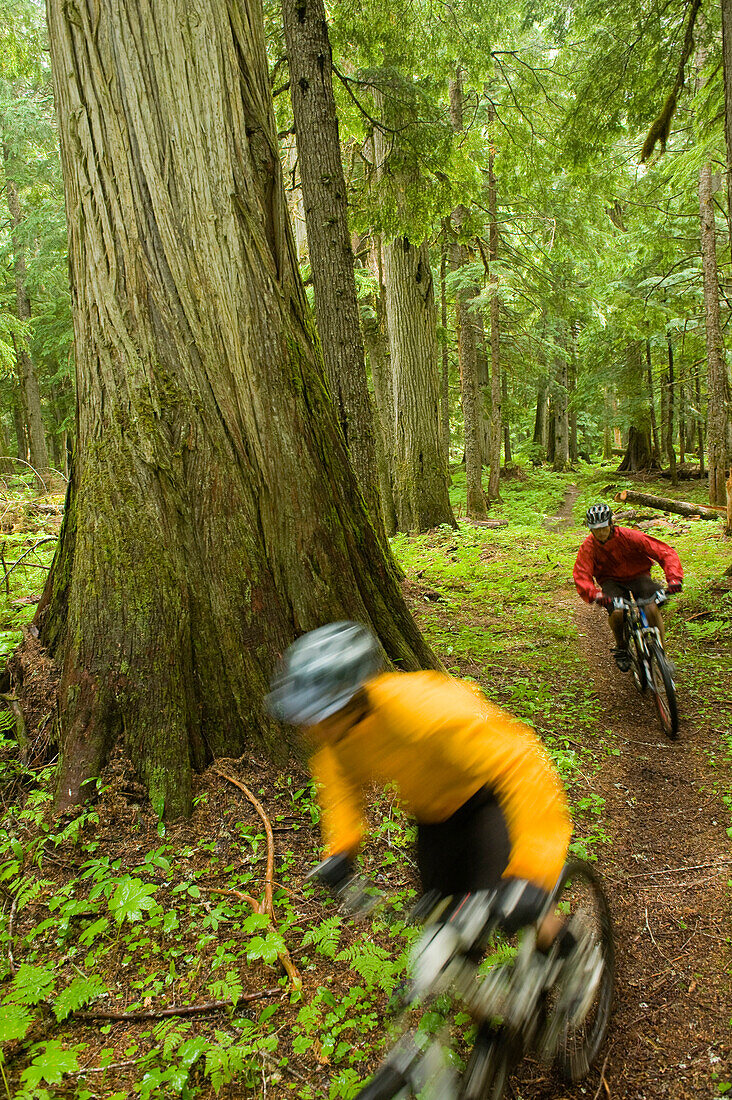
pixel 341 821
pixel 509 757
pixel 661 552
pixel 583 573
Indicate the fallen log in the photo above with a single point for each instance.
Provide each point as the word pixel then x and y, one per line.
pixel 664 504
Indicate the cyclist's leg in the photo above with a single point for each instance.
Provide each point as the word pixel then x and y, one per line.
pixel 616 590
pixel 467 852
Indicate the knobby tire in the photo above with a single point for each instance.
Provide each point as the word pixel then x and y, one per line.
pixel 664 693
pixel 386 1083
pixel 580 1044
pixel 491 1062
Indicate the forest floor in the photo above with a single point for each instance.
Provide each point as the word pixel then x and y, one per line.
pixel 115 912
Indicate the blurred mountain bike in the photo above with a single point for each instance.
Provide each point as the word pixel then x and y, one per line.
pixel 649 664
pixel 535 1002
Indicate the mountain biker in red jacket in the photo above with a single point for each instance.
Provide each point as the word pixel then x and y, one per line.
pixel 615 561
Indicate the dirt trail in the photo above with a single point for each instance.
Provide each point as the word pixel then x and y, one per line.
pixel 666 867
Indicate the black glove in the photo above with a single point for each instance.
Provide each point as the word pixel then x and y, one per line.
pixel 519 903
pixel 675 587
pixel 604 601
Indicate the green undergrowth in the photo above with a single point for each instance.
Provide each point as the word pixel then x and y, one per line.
pixel 113 911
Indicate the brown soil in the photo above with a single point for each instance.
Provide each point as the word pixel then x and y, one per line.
pixel 667 868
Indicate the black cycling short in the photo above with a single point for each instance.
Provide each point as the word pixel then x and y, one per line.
pixel 469 851
pixel 643 587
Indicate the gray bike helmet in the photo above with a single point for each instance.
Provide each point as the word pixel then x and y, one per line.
pixel 599 515
pixel 322 671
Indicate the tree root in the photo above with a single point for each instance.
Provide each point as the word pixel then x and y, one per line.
pixel 266 904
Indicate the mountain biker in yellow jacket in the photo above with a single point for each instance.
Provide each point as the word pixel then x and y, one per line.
pixel 489 805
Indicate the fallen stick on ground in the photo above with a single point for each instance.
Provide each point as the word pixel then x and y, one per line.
pixel 181 1010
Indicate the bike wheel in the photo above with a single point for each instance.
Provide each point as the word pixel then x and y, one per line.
pixel 579 1006
pixel 664 693
pixel 386 1084
pixel 490 1063
pixel 637 663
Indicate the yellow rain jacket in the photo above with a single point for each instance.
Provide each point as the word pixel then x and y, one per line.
pixel 440 741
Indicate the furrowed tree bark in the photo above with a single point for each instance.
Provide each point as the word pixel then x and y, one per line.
pixel 421 497
pixel 718 403
pixel 377 349
pixel 212 512
pixel 444 357
pixel 329 243
pixel 467 333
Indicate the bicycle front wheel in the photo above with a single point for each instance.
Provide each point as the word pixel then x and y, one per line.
pixel 386 1084
pixel 578 1010
pixel 491 1061
pixel 664 693
pixel 637 663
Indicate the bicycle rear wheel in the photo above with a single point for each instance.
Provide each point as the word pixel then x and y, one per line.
pixel 664 693
pixel 579 1006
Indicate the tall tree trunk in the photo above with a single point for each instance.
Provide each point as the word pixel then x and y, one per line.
pixel 467 332
pixel 540 415
pixel 26 371
pixel 329 242
pixel 19 420
pixel 377 350
pixel 212 513
pixel 571 392
pixel 494 459
pixel 699 422
pixel 560 395
pixel 727 70
pixel 682 422
pixel 670 452
pixel 294 198
pixel 639 451
pixel 507 455
pixel 420 476
pixel 718 414
pixel 444 357
pixel 607 442
pixel 652 405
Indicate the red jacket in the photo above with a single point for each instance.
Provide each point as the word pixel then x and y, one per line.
pixel 627 553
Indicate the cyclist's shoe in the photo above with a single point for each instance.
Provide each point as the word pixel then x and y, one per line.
pixel 622 658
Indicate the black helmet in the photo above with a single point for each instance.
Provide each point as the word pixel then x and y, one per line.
pixel 599 515
pixel 322 671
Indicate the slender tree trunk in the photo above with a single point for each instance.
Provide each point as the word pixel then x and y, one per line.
pixel 294 198
pixel 329 242
pixel 717 383
pixel 607 442
pixel 507 455
pixel 484 391
pixel 377 349
pixel 652 405
pixel 212 513
pixel 560 395
pixel 727 70
pixel 467 333
pixel 494 484
pixel 670 452
pixel 571 392
pixel 445 357
pixel 699 422
pixel 540 415
pixel 26 371
pixel 682 422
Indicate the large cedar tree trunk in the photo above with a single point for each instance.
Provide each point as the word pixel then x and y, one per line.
pixel 212 512
pixel 329 242
pixel 718 408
